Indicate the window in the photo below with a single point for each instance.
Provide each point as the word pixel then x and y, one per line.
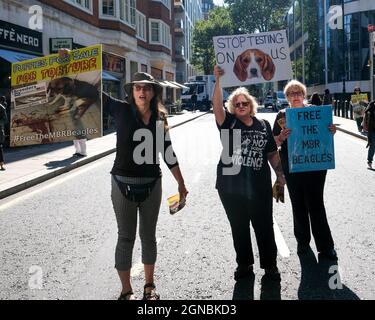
pixel 155 32
pixel 108 8
pixel 85 5
pixel 160 33
pixel 128 12
pixel 141 26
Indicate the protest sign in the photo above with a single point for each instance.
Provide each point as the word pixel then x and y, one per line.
pixel 310 144
pixel 57 99
pixel 357 98
pixel 253 58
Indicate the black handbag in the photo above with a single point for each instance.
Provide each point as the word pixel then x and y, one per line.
pixel 135 192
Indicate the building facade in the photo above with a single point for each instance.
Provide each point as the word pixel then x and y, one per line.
pixel 323 56
pixel 207 6
pixel 187 13
pixel 137 35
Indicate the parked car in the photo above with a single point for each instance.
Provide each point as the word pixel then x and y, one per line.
pixel 268 102
pixel 279 101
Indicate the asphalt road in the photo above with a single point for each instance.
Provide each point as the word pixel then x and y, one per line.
pixel 58 238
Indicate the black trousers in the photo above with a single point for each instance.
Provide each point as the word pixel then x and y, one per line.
pixel 1 153
pixel 306 194
pixel 240 211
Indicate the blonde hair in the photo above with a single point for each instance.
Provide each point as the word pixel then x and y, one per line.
pixel 295 84
pixel 244 92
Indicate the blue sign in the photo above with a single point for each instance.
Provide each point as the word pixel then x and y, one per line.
pixel 310 143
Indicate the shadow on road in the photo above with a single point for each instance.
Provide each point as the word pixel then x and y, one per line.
pixel 321 280
pixel 60 163
pixel 244 289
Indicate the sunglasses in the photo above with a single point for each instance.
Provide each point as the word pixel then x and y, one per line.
pixel 242 103
pixel 147 87
pixel 295 94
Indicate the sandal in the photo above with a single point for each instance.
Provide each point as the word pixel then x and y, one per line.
pixel 126 296
pixel 152 295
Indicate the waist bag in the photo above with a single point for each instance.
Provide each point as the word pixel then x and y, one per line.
pixel 135 192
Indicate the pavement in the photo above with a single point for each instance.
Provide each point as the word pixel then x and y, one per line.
pixel 29 166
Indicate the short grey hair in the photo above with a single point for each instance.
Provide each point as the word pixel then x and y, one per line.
pixel 241 91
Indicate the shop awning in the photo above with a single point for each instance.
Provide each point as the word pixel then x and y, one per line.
pixel 13 56
pixel 172 84
pixel 109 77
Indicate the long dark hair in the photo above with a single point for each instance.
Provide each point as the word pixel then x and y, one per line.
pixel 157 108
pixel 315 99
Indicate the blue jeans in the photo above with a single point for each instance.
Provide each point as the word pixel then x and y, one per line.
pixel 371 149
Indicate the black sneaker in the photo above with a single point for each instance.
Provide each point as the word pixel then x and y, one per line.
pixel 243 272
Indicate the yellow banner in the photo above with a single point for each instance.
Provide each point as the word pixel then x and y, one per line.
pixel 52 66
pixel 357 98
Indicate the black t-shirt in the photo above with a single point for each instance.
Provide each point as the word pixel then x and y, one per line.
pixel 253 176
pixel 127 123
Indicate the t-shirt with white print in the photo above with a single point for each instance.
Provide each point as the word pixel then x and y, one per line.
pixel 254 177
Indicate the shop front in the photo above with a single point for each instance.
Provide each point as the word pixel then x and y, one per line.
pixel 17 43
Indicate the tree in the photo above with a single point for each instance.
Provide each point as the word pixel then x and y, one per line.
pixel 249 16
pixel 218 23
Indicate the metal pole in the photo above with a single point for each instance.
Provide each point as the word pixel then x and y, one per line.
pixel 372 48
pixel 344 48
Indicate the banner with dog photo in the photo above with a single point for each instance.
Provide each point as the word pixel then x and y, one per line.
pixel 57 99
pixel 253 58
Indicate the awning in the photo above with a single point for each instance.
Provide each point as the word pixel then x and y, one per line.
pixel 109 77
pixel 13 56
pixel 172 84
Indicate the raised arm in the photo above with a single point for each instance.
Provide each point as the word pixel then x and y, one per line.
pixel 217 98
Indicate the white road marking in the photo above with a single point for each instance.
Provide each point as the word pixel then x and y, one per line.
pixel 280 242
pixel 138 267
pixel 49 185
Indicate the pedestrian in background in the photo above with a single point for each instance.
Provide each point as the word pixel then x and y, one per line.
pixel 3 122
pixel 327 98
pixel 193 99
pixel 306 189
pixel 80 147
pixel 369 127
pixel 137 188
pixel 358 109
pixel 315 99
pixel 246 194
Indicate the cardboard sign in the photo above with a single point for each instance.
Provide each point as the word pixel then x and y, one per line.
pixel 310 144
pixel 357 98
pixel 54 99
pixel 253 58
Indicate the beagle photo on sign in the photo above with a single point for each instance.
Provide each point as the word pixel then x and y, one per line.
pixel 254 63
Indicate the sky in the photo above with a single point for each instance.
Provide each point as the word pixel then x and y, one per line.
pixel 219 2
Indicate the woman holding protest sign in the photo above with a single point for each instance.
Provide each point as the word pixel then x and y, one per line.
pixel 306 189
pixel 142 132
pixel 244 178
pixel 359 105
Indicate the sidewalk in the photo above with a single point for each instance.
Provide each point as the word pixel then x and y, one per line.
pixel 28 166
pixel 348 126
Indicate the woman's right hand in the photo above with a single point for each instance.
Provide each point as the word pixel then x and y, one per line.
pixel 218 72
pixel 284 134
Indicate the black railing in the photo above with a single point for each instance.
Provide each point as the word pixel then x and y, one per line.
pixel 343 109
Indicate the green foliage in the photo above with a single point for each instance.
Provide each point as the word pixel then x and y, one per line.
pixel 249 16
pixel 219 23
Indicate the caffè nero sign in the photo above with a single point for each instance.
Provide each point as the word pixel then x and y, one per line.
pixel 13 36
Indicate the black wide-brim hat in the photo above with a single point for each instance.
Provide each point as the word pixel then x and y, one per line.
pixel 143 78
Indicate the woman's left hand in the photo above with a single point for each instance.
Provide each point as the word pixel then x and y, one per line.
pixel 183 191
pixel 332 128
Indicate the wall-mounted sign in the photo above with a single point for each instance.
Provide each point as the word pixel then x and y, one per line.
pixel 60 43
pixel 23 39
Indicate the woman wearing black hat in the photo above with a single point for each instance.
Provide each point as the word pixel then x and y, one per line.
pixel 136 175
